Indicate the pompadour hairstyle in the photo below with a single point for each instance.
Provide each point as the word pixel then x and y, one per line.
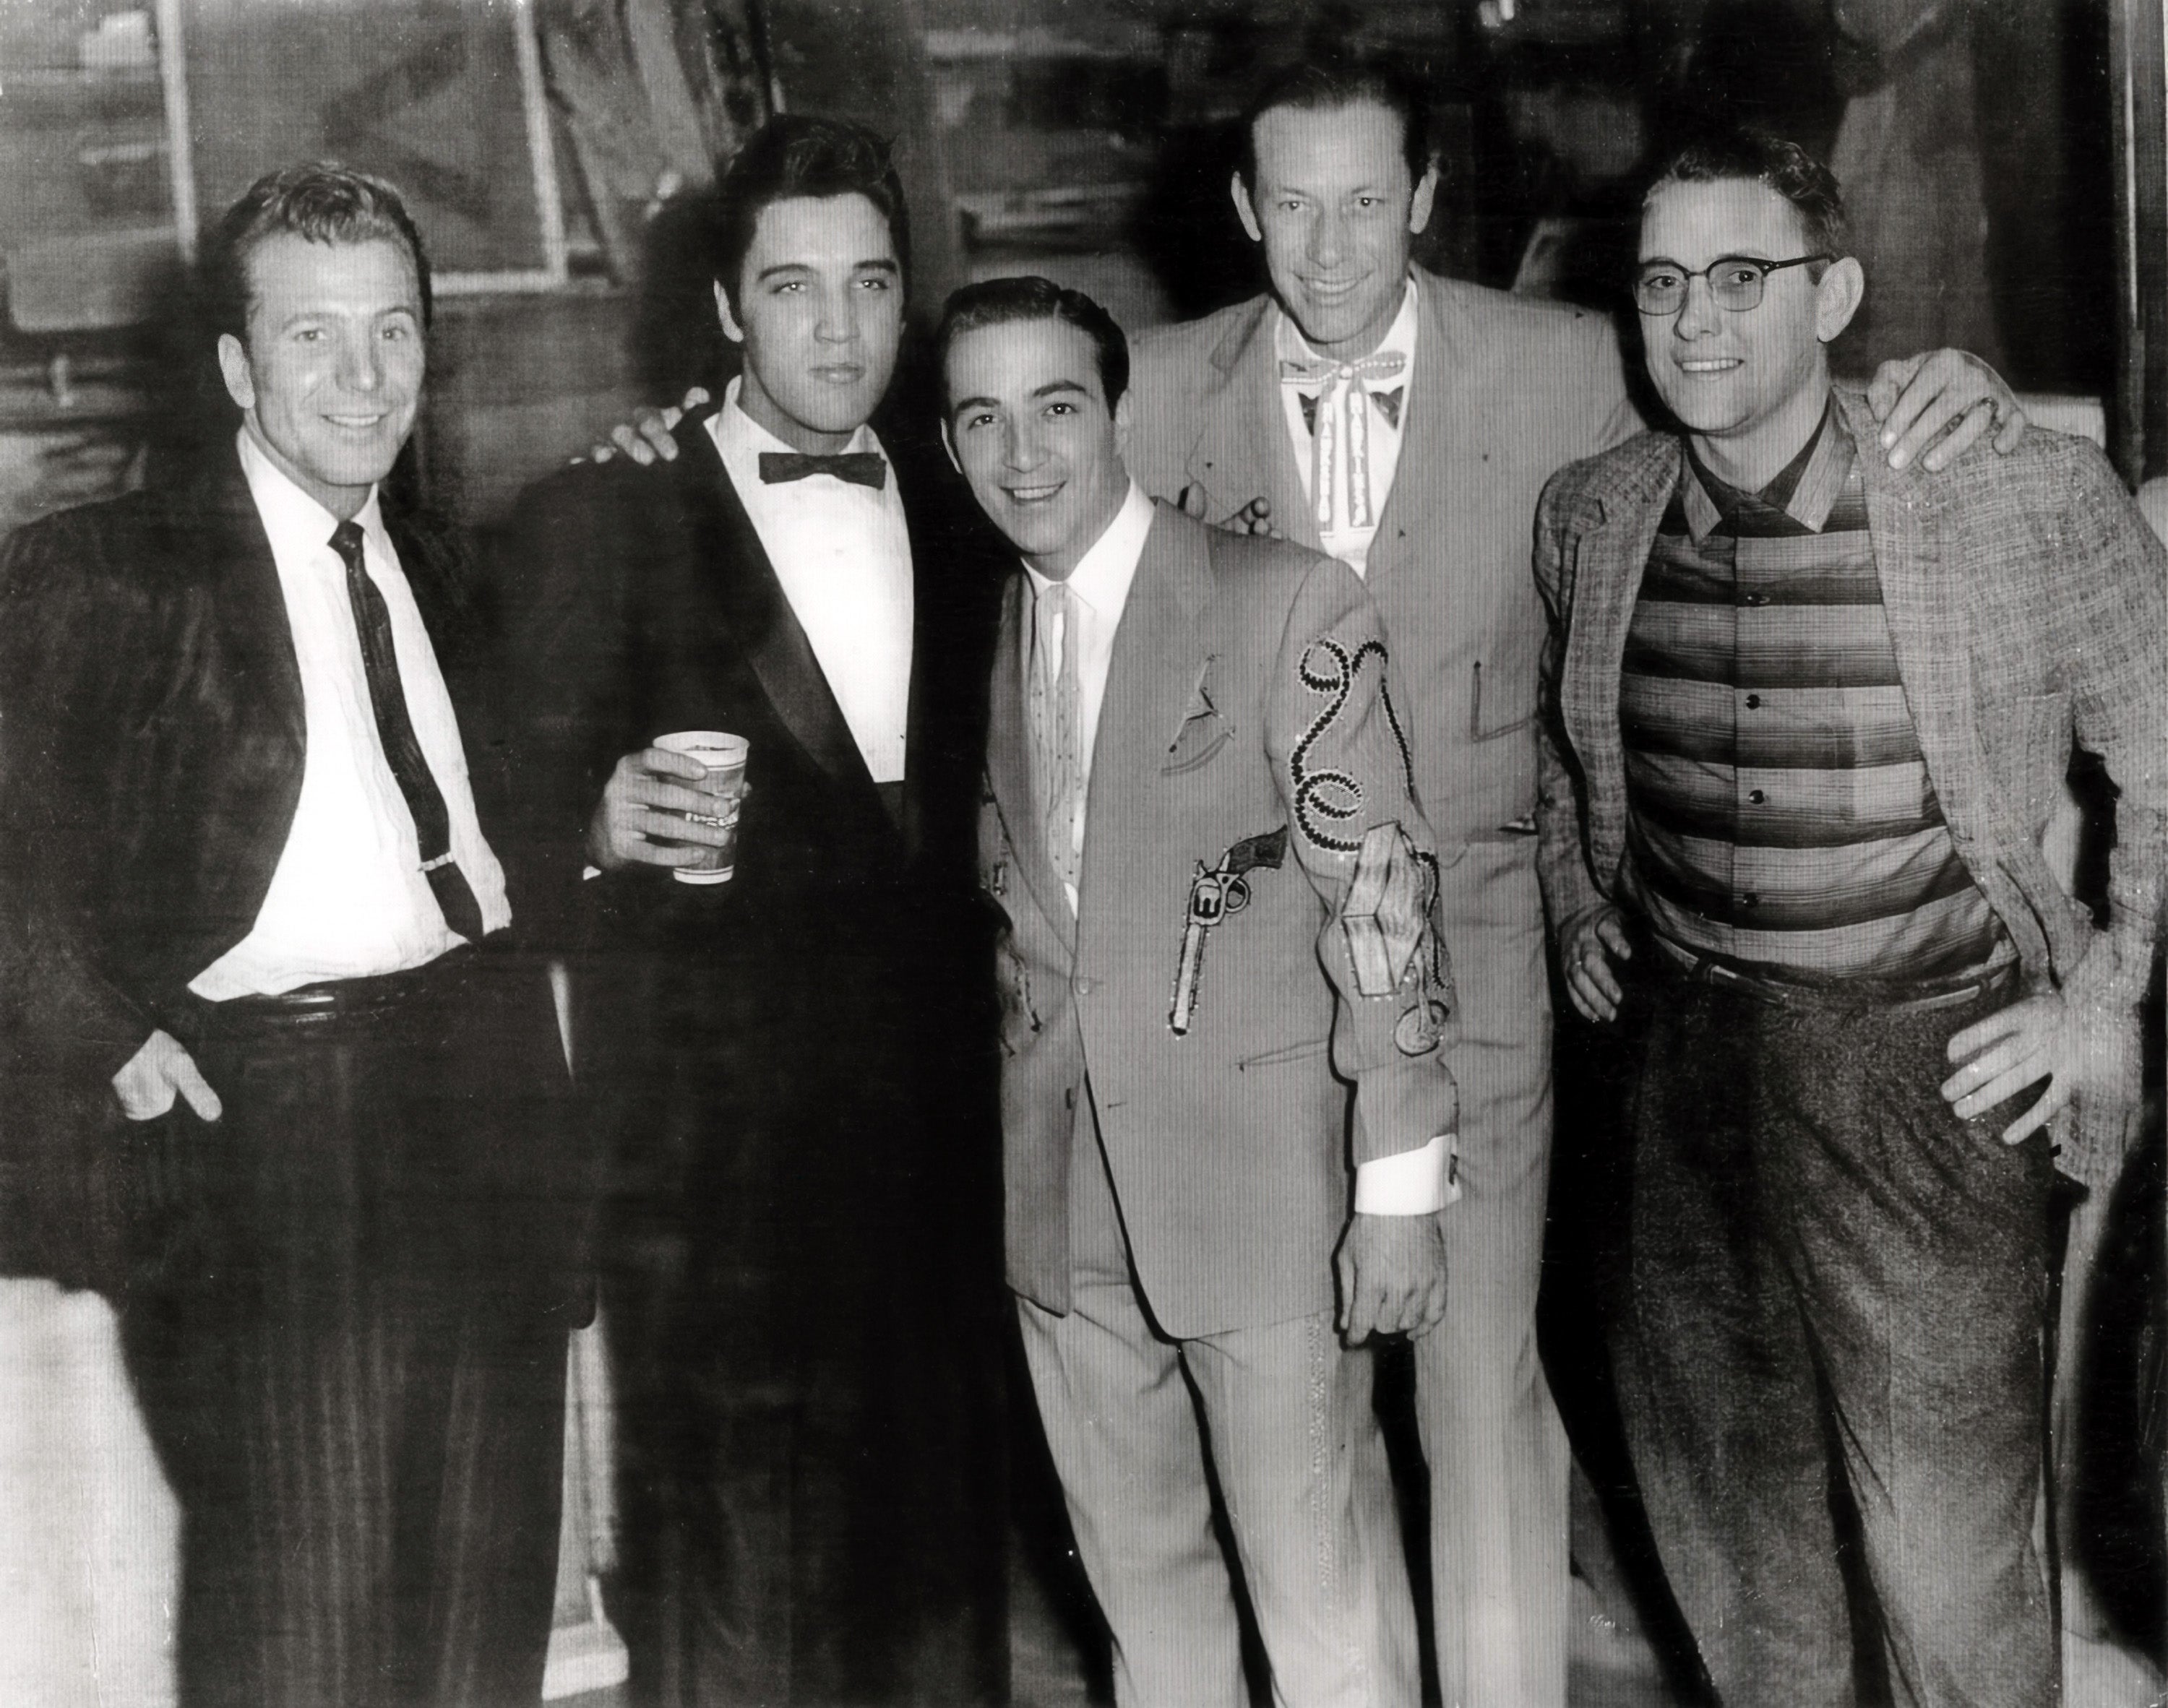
pixel 1317 86
pixel 1774 162
pixel 320 200
pixel 796 154
pixel 996 302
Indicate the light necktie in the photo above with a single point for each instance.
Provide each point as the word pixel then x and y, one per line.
pixel 1340 407
pixel 394 729
pixel 1055 709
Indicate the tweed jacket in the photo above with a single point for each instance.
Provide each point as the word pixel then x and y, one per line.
pixel 1505 392
pixel 2025 595
pixel 1244 699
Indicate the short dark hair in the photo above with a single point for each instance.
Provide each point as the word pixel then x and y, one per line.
pixel 995 302
pixel 793 154
pixel 320 200
pixel 1316 85
pixel 1770 161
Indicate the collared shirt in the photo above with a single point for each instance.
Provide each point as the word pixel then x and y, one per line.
pixel 348 898
pixel 842 553
pixel 1412 1183
pixel 1345 539
pixel 1782 815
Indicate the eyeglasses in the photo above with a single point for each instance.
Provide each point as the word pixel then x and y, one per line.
pixel 1734 281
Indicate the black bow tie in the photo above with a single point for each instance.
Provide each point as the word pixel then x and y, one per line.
pixel 860 468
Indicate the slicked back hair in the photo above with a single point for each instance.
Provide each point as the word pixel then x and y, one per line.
pixel 1318 86
pixel 1775 163
pixel 996 302
pixel 319 200
pixel 797 155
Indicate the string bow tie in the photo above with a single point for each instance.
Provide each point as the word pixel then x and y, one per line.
pixel 860 468
pixel 1348 385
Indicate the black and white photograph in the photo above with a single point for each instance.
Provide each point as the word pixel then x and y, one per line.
pixel 1083 853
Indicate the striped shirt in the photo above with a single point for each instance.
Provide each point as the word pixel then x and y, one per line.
pixel 1781 815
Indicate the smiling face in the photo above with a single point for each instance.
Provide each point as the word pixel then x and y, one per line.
pixel 1751 385
pixel 820 310
pixel 330 377
pixel 1337 215
pixel 1028 425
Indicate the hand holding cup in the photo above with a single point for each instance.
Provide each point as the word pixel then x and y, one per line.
pixel 674 804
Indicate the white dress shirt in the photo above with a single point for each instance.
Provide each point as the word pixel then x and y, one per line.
pixel 1413 1183
pixel 348 898
pixel 1344 538
pixel 842 553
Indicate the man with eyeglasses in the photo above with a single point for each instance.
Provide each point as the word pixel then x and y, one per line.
pixel 1808 718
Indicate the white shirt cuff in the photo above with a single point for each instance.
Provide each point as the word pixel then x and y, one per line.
pixel 1413 1183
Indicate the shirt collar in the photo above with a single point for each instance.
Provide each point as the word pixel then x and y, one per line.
pixel 1806 489
pixel 1102 577
pixel 1290 345
pixel 291 515
pixel 736 432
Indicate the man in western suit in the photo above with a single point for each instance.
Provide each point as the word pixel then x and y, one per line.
pixel 300 1105
pixel 1814 718
pixel 798 1272
pixel 1405 423
pixel 1217 891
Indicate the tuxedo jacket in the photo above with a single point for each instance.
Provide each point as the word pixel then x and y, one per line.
pixel 1245 699
pixel 2026 601
pixel 1505 391
pixel 151 744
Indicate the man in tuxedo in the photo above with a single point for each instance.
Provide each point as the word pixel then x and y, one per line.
pixel 1405 423
pixel 799 1277
pixel 1217 889
pixel 300 1102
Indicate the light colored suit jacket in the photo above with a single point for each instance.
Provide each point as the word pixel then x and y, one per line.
pixel 1506 392
pixel 2026 602
pixel 1246 696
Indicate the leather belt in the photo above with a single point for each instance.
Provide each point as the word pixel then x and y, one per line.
pixel 334 1005
pixel 1838 991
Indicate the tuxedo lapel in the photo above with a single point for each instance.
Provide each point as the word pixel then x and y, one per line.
pixel 756 614
pixel 1008 763
pixel 1243 453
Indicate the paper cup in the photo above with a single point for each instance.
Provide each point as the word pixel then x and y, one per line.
pixel 725 757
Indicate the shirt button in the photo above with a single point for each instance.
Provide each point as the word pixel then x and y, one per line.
pixel 1757 598
pixel 1083 986
pixel 1757 796
pixel 1754 702
pixel 1750 899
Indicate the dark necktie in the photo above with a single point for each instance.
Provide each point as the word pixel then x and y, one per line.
pixel 860 468
pixel 433 823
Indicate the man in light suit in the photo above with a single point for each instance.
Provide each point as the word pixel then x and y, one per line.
pixel 1814 718
pixel 1406 424
pixel 301 1105
pixel 1216 887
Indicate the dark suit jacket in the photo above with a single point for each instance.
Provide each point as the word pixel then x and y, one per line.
pixel 152 737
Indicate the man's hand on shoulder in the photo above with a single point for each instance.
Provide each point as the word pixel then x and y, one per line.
pixel 1254 518
pixel 157 1073
pixel 640 820
pixel 1918 398
pixel 648 435
pixel 1391 1270
pixel 2076 1045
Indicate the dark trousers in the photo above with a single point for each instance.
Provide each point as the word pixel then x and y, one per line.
pixel 346 1327
pixel 1837 1298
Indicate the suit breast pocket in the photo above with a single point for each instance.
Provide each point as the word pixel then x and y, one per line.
pixel 1197 743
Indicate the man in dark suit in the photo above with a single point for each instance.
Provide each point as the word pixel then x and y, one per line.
pixel 297 1101
pixel 800 1282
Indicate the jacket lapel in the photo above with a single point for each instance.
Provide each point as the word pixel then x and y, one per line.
pixel 1243 453
pixel 251 605
pixel 1008 763
pixel 1609 538
pixel 1158 655
pixel 757 613
pixel 1419 504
